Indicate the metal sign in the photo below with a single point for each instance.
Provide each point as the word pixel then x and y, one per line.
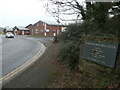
pixel 100 52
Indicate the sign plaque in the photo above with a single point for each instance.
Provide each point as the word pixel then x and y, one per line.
pixel 100 52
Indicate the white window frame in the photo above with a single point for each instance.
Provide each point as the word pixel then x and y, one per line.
pixel 47 30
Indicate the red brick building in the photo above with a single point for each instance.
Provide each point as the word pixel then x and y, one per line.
pixel 30 27
pixel 20 30
pixel 45 28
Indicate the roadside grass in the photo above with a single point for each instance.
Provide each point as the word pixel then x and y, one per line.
pixel 102 81
pixel 2 34
pixel 98 81
pixel 37 36
pixel 68 80
pixel 34 36
pixel 83 72
pixel 89 79
pixel 82 78
pixel 56 74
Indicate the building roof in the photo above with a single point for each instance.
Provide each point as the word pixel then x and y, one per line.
pixel 49 22
pixel 8 28
pixel 21 28
pixel 28 25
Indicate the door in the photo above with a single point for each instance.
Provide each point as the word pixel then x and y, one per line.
pixel 22 32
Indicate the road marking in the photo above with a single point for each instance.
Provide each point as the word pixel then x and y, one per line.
pixel 22 67
pixel 17 69
pixel 25 65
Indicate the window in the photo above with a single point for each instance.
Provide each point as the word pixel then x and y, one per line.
pixel 54 30
pixel 36 31
pixel 47 30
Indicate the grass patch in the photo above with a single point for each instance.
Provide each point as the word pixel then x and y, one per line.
pixel 34 36
pixel 83 72
pixel 102 82
pixel 2 34
pixel 56 74
pixel 37 36
pixel 68 80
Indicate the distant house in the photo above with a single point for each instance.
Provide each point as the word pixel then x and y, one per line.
pixel 8 29
pixel 45 28
pixel 20 30
pixel 30 27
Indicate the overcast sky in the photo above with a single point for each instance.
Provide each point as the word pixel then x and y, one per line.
pixel 21 12
pixel 25 12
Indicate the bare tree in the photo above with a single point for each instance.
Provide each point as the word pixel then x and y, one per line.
pixel 58 8
pixel 78 9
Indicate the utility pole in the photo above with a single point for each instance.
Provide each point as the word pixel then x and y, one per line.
pixel 58 17
pixel 44 29
pixel 57 30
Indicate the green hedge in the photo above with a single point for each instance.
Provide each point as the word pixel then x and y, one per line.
pixel 69 53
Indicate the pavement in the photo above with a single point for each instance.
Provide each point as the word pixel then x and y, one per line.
pixel 39 75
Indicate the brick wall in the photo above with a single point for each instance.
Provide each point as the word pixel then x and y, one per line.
pixel 40 27
pixel 30 27
pixel 26 32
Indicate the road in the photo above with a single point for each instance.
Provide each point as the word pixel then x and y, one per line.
pixel 16 51
pixel 39 74
pixel 45 40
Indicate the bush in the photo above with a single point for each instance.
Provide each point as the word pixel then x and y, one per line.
pixel 74 32
pixel 70 54
pixel 74 36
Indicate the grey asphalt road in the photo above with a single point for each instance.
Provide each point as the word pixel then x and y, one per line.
pixel 38 75
pixel 16 51
pixel 45 40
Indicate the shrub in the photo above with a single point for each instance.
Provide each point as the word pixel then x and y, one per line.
pixel 70 54
pixel 73 32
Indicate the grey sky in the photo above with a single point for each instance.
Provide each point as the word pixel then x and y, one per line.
pixel 24 12
pixel 21 12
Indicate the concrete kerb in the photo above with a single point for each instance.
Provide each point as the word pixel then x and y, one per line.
pixel 7 78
